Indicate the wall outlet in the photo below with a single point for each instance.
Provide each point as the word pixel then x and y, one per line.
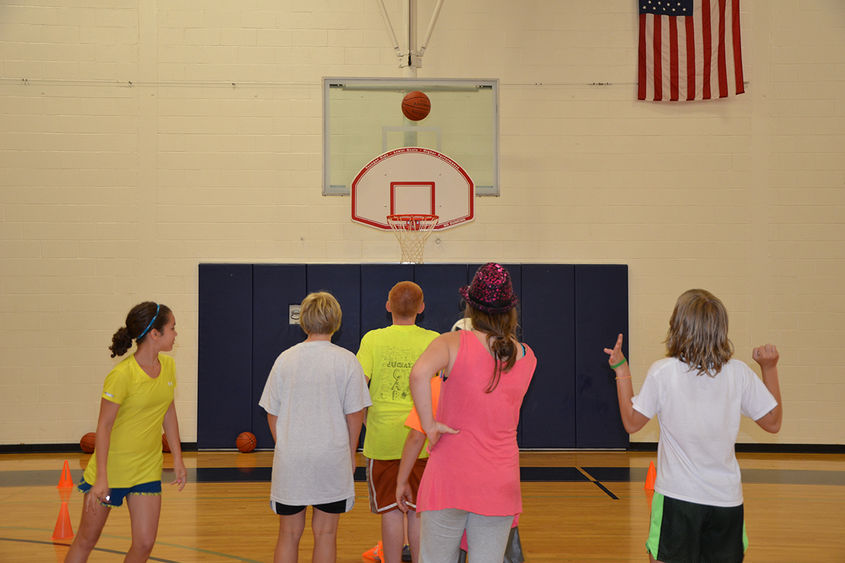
pixel 293 314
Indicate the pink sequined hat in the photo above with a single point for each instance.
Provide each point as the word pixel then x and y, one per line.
pixel 491 289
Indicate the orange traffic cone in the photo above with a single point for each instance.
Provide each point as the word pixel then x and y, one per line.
pixel 63 529
pixel 650 477
pixel 65 482
pixel 64 494
pixel 374 553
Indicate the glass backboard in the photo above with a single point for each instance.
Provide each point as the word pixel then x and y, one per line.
pixel 362 119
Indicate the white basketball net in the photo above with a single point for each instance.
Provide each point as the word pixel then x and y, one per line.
pixel 412 230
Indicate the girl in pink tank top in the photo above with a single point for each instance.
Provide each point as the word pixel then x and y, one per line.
pixel 471 480
pixel 477 469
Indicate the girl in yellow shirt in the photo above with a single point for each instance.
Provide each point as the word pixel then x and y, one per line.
pixel 137 400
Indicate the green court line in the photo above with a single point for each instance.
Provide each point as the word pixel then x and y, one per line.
pixel 128 539
pixel 102 549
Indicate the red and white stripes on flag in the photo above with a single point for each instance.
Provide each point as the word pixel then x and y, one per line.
pixel 689 50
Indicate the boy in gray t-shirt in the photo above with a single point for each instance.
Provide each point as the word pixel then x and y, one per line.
pixel 315 398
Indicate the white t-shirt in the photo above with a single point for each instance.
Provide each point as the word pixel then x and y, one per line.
pixel 699 421
pixel 311 388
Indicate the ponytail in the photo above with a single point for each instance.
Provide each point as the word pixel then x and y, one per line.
pixel 120 342
pixel 504 352
pixel 500 329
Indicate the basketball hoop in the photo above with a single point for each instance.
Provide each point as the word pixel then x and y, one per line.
pixel 412 230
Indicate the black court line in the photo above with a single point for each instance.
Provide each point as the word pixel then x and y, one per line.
pixel 597 483
pixel 606 490
pixel 527 474
pixel 103 549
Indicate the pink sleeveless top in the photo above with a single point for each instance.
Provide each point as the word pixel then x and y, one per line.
pixel 477 469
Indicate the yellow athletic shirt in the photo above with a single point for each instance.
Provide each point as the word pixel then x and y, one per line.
pixel 387 355
pixel 135 450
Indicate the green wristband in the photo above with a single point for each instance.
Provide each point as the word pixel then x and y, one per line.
pixel 619 364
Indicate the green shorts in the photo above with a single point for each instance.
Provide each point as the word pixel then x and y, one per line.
pixel 686 531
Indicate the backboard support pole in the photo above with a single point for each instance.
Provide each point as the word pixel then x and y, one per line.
pixel 410 58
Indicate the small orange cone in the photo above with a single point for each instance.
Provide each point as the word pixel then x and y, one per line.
pixel 64 494
pixel 63 529
pixel 650 477
pixel 374 553
pixel 65 482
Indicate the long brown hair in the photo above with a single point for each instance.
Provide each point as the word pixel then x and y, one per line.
pixel 698 332
pixel 500 329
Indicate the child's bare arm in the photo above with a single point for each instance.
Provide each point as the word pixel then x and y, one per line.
pixel 271 422
pixel 354 420
pixel 632 419
pixel 410 452
pixel 435 358
pixel 767 356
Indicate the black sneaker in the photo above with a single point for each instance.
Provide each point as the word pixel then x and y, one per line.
pixel 406 553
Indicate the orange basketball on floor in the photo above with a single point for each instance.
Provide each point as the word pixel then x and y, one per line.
pixel 245 442
pixel 87 442
pixel 416 105
pixel 165 447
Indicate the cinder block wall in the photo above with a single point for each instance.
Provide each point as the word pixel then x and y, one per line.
pixel 139 138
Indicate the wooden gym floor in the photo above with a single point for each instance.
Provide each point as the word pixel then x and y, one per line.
pixel 578 506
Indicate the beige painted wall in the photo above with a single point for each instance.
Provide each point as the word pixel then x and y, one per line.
pixel 139 138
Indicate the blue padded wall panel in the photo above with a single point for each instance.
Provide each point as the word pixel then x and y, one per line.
pixel 224 367
pixel 440 283
pixel 601 313
pixel 376 281
pixel 243 326
pixel 547 419
pixel 344 282
pixel 275 288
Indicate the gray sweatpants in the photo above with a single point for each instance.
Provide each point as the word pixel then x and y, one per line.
pixel 441 531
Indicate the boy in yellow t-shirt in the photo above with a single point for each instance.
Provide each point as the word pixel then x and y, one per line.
pixel 387 355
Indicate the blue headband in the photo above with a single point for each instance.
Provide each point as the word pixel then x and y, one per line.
pixel 149 326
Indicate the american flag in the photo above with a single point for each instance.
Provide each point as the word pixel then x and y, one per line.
pixel 689 50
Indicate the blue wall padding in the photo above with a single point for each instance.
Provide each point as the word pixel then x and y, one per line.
pixel 344 282
pixel 440 283
pixel 275 287
pixel 376 281
pixel 568 313
pixel 548 411
pixel 601 313
pixel 224 367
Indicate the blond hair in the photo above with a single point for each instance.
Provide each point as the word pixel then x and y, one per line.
pixel 320 313
pixel 405 299
pixel 698 332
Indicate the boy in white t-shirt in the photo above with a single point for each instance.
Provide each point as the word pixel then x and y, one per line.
pixel 315 398
pixel 698 394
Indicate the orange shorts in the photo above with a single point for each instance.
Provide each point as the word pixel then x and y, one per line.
pixel 381 483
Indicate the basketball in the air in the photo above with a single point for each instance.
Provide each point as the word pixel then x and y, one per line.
pixel 87 442
pixel 416 105
pixel 165 447
pixel 245 442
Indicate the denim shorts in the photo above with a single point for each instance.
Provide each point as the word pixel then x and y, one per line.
pixel 117 494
